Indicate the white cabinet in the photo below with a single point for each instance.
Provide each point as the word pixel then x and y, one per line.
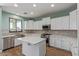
pixel 17 42
pixel 77 6
pixel 78 19
pixel 33 25
pixel 55 41
pixel 60 23
pixel 32 48
pixel 38 25
pixel 73 19
pixel 60 42
pixel 8 42
pixel 46 21
pixel 53 23
pixel 74 48
pixel 25 25
pixel 30 25
pixel 65 44
pixel 52 41
pixel 74 51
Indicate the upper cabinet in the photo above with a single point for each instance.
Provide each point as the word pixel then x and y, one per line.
pixel 68 22
pixel 30 25
pixel 60 23
pixel 46 21
pixel 77 6
pixel 73 19
pixel 77 19
pixel 24 25
pixel 38 25
pixel 33 25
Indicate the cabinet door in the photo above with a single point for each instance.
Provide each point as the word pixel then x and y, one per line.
pixel 58 43
pixel 38 25
pixel 78 20
pixel 12 39
pixel 25 25
pixel 65 44
pixel 5 43
pixel 62 23
pixel 77 6
pixel 30 25
pixel 46 21
pixel 53 23
pixel 17 41
pixel 74 51
pixel 52 40
pixel 73 20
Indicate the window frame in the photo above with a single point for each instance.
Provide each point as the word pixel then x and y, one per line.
pixel 15 25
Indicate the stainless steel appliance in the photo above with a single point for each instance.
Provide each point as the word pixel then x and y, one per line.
pixel 46 27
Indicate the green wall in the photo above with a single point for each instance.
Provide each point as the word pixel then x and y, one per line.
pixel 0 18
pixel 5 20
pixel 59 13
pixel 1 42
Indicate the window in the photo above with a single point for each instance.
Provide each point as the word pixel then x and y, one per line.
pixel 15 25
pixel 19 25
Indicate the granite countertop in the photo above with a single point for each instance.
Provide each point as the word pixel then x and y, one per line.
pixel 8 36
pixel 32 40
pixel 4 35
pixel 16 35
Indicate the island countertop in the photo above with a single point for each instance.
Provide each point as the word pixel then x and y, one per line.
pixel 32 40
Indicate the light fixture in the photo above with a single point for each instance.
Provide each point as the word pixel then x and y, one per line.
pixel 34 5
pixel 15 5
pixel 52 5
pixel 32 13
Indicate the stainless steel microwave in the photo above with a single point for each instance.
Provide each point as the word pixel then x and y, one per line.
pixel 46 27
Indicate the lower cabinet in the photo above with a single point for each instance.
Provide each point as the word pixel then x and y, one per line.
pixel 65 45
pixel 17 42
pixel 69 44
pixel 58 43
pixel 74 51
pixel 8 42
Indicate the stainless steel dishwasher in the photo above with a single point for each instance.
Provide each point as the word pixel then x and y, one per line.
pixel 8 42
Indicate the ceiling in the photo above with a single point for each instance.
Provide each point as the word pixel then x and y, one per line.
pixel 40 9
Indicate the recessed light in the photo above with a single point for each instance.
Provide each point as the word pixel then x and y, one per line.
pixel 32 13
pixel 52 5
pixel 15 5
pixel 34 5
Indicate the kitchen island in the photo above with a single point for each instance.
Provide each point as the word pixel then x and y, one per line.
pixel 33 46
